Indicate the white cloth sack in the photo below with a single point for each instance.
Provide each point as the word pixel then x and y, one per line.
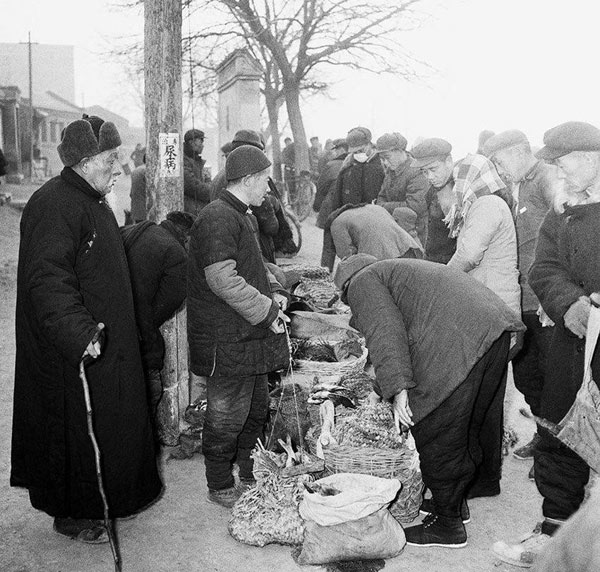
pixel 360 496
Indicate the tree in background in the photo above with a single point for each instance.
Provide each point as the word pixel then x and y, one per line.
pixel 294 42
pixel 295 39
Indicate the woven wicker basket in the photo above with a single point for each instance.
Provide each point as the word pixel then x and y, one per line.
pixel 402 464
pixel 355 365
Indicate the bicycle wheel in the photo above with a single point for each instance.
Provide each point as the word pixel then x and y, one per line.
pixel 303 198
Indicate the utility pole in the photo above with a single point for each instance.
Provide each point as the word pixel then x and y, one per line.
pixel 164 182
pixel 30 108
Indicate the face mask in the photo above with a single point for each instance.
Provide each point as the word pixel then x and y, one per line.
pixel 361 157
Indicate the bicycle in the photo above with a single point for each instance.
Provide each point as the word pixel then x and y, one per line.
pixel 300 192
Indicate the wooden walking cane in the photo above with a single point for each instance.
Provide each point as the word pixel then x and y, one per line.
pixel 90 426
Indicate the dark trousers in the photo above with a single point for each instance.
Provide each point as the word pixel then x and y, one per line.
pixel 529 365
pixel 560 474
pixel 236 413
pixel 464 433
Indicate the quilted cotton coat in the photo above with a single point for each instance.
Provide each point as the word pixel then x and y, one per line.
pixel 72 275
pixel 426 326
pixel 487 249
pixel 222 341
pixel 158 266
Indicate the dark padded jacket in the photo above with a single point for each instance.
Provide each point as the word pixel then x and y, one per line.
pixel 358 182
pixel 158 266
pixel 222 342
pixel 426 326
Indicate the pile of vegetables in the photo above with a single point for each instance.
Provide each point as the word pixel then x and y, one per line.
pixel 321 350
pixel 268 513
pixel 368 426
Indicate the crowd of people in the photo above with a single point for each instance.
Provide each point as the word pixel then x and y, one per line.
pixel 451 269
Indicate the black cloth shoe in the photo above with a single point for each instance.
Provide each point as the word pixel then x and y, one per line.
pixel 484 489
pixel 435 530
pixel 82 529
pixel 465 513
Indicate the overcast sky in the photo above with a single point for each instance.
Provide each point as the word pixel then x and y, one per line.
pixel 502 64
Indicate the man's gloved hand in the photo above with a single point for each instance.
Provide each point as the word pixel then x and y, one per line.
pixel 278 324
pixel 576 317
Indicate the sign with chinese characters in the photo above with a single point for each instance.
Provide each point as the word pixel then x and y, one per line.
pixel 168 149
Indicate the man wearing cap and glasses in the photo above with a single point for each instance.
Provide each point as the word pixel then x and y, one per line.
pixel 565 275
pixel 404 187
pixel 73 282
pixel 433 157
pixel 534 184
pixel 196 180
pixel 361 175
pixel 235 323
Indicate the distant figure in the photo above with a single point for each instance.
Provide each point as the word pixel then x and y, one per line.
pixel 138 155
pixel 483 137
pixel 288 159
pixel 157 258
pixel 139 209
pixel 404 186
pixel 433 157
pixel 362 174
pixel 314 155
pixel 326 155
pixel 196 181
pixel 326 182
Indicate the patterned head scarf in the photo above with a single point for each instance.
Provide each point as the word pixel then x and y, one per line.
pixel 474 177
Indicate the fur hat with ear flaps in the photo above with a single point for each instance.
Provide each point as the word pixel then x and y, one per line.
pixel 85 138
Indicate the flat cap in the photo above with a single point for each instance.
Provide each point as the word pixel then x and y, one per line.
pixel 391 142
pixel 503 140
pixel 245 160
pixel 337 143
pixel 568 137
pixel 247 137
pixel 193 134
pixel 358 136
pixel 430 150
pixel 348 267
pixel 85 138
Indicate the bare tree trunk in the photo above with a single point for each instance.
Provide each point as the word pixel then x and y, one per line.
pixel 273 106
pixel 162 65
pixel 292 102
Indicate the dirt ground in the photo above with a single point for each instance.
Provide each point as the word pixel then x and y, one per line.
pixel 184 532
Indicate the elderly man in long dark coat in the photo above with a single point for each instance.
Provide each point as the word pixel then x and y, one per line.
pixel 438 340
pixel 72 277
pixel 565 277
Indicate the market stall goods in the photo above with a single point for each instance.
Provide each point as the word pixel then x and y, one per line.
pixel 364 440
pixel 269 512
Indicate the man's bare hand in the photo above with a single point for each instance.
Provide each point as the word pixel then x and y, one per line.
pixel 278 324
pixel 401 410
pixel 94 348
pixel 281 300
pixel 576 317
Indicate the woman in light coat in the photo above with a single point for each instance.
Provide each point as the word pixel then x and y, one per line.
pixel 482 221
